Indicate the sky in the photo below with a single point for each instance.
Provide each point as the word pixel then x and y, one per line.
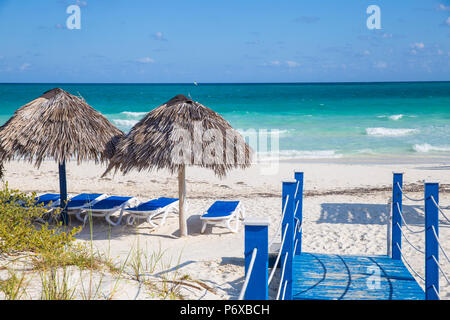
pixel 179 41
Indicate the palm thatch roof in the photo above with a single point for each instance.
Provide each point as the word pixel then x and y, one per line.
pixel 181 132
pixel 58 125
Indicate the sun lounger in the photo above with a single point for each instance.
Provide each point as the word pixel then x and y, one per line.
pixel 107 207
pixel 48 200
pixel 223 211
pixel 149 210
pixel 82 201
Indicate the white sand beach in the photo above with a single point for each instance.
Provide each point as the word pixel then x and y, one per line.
pixel 345 210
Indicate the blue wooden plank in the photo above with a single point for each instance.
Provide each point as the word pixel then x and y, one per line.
pixel 356 265
pixel 325 276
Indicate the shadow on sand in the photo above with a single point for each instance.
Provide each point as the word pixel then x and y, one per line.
pixel 365 213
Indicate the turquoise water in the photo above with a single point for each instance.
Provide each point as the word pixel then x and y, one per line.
pixel 314 120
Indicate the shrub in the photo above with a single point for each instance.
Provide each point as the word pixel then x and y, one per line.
pixel 20 230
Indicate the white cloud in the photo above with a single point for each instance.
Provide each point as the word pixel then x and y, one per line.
pixel 443 7
pixel 366 52
pixel 82 3
pixel 24 66
pixel 292 64
pixel 287 63
pixel 274 63
pixel 447 22
pixel 418 45
pixel 146 60
pixel 387 35
pixel 307 19
pixel 440 52
pixel 380 65
pixel 159 36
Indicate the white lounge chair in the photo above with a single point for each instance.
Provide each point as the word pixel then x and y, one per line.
pixel 150 209
pixel 107 207
pixel 223 211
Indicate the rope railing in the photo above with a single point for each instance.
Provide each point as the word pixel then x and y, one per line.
pixel 299 231
pixel 298 225
pixel 431 213
pixel 437 240
pixel 407 240
pixel 249 273
pixel 297 186
pixel 282 275
pixel 284 290
pixel 274 268
pixel 280 222
pixel 407 197
pixel 436 292
pixel 440 269
pixel 400 212
pixel 297 228
pixel 404 221
pixel 440 209
pixel 295 245
pixel 439 243
pixel 256 236
pixel 406 261
pixel 292 225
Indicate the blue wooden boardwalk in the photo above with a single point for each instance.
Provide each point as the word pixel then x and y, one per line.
pixel 345 277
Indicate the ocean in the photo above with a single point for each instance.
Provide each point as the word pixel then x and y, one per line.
pixel 313 120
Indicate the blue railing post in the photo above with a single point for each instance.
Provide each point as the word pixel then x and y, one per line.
pixel 299 176
pixel 288 246
pixel 431 243
pixel 63 192
pixel 396 218
pixel 257 236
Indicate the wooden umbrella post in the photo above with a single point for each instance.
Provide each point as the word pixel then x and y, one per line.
pixel 182 199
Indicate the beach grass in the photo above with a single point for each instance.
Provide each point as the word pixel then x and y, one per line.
pixel 46 256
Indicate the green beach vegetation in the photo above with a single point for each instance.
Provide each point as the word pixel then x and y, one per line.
pixel 41 259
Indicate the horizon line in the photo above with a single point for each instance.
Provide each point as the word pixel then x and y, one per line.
pixel 230 83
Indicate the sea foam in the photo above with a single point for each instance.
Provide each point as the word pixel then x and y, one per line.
pixel 424 148
pixel 298 154
pixel 134 114
pixel 125 123
pixel 389 132
pixel 396 117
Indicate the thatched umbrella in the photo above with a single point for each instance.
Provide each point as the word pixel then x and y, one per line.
pixel 178 133
pixel 60 126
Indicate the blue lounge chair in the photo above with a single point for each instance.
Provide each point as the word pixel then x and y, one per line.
pixel 150 209
pixel 223 211
pixel 83 201
pixel 107 207
pixel 48 199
